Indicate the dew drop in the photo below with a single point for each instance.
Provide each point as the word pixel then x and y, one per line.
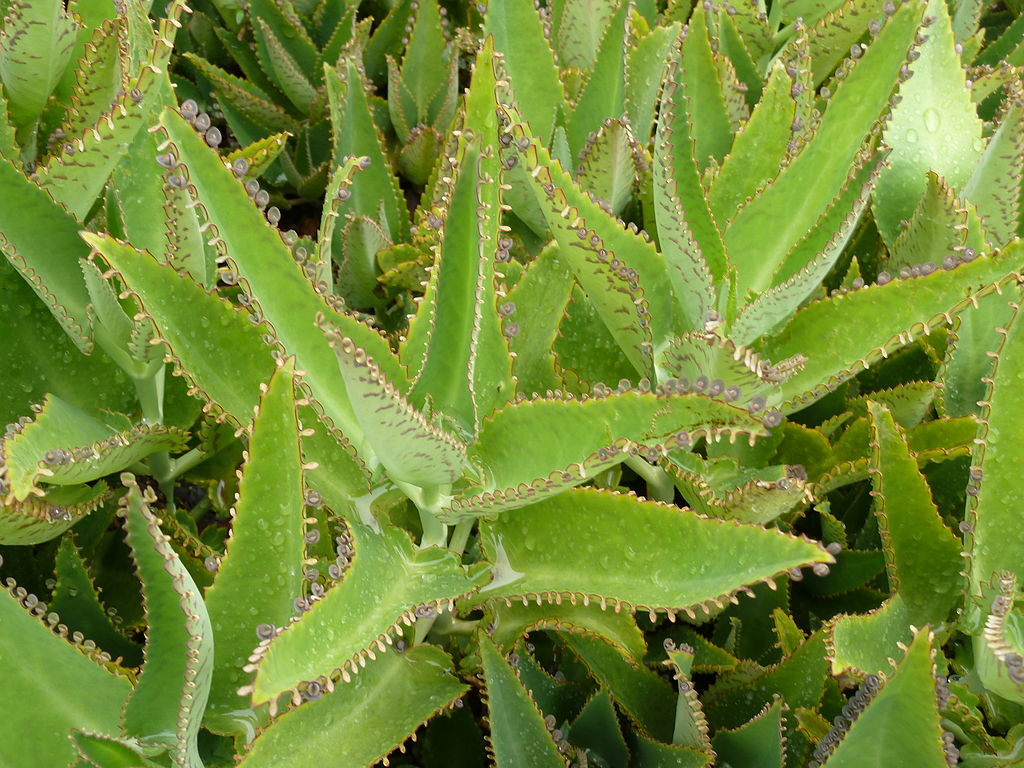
pixel 202 122
pixel 932 119
pixel 211 564
pixel 213 137
pixel 265 631
pixel 274 215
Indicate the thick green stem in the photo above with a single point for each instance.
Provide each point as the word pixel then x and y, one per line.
pixel 659 485
pixel 435 533
pixel 187 461
pixel 460 535
pixel 428 501
pixel 150 390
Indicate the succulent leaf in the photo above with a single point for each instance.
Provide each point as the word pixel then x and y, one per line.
pixel 388 583
pixel 756 239
pixel 911 307
pixel 179 643
pixel 908 706
pixel 373 714
pixel 529 561
pixel 65 446
pixel 411 448
pixel 266 546
pixel 934 127
pixel 510 622
pixel 519 33
pixel 519 736
pixel 72 689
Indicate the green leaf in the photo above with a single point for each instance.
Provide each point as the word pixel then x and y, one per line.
pixel 603 94
pixel 360 242
pixel 462 364
pixel 76 176
pixel 100 72
pixel 65 446
pixel 830 37
pixel 279 289
pixel 35 49
pixel 938 227
pixel 259 154
pixel 687 230
pixel 597 731
pixel 994 541
pixel 167 704
pixel 760 147
pixel 288 66
pixel 810 261
pixel 757 239
pixel 370 716
pixel 389 582
pixel 692 562
pixel 972 341
pixel 355 133
pixel 621 271
pixel 759 743
pixel 901 723
pixel 995 184
pixel 645 67
pixel 226 374
pixel 49 264
pixel 934 127
pixel 641 693
pixel 425 64
pixel 76 600
pixel 37 520
pixel 412 449
pixel 540 297
pixel 868 644
pixel 821 331
pixel 519 737
pixel 70 689
pixel 648 753
pixel 519 34
pixel 510 622
pixel 703 93
pixel 108 751
pixel 266 545
pixel 922 555
pixel 245 98
pixel 610 164
pixel 579 31
pixel 799 680
pixel 596 434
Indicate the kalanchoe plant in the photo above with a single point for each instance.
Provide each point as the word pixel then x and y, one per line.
pixel 731 483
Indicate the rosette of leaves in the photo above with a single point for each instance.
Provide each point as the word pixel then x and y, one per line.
pixel 450 513
pixel 80 96
pixel 266 71
pixel 443 436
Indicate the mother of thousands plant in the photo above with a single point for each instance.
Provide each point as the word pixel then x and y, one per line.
pixel 561 513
